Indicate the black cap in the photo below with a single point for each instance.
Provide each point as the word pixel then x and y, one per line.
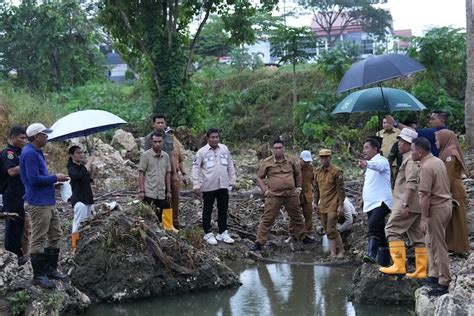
pixel 439 111
pixel 377 138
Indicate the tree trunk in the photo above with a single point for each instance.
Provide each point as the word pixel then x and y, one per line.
pixel 295 97
pixel 469 103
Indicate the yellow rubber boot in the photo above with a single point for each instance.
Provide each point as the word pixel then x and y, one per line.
pixel 398 255
pixel 74 239
pixel 167 219
pixel 421 259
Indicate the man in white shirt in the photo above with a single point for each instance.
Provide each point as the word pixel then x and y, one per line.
pixel 349 213
pixel 377 197
pixel 213 177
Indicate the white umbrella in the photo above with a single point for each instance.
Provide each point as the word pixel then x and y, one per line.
pixel 84 123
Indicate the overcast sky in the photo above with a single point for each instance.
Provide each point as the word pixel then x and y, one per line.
pixel 421 14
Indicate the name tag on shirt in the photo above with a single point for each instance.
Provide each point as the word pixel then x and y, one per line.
pixel 224 160
pixel 209 162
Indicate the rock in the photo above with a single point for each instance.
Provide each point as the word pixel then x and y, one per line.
pixel 112 171
pixel 18 295
pixel 125 140
pixel 459 300
pixel 125 255
pixel 370 286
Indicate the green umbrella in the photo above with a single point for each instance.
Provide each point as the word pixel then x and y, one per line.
pixel 379 100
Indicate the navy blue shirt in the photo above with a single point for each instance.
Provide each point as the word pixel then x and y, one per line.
pixel 14 191
pixel 430 134
pixel 39 185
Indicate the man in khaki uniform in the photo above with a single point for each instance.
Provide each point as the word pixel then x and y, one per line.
pixel 406 213
pixel 154 180
pixel 389 135
pixel 177 158
pixel 306 196
pixel 329 198
pixel 282 187
pixel 436 208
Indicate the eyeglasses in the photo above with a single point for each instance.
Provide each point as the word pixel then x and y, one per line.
pixel 43 134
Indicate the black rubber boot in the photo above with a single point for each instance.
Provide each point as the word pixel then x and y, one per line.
pixel 438 290
pixel 52 256
pixel 38 262
pixel 384 256
pixel 256 246
pixel 372 249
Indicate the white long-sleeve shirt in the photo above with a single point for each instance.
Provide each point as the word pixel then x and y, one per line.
pixel 349 212
pixel 377 188
pixel 213 168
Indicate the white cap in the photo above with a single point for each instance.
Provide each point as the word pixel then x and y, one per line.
pixel 306 156
pixel 407 134
pixel 36 128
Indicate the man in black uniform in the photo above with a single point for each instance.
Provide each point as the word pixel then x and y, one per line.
pixel 14 191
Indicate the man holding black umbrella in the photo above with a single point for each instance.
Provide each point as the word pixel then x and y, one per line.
pixel 438 121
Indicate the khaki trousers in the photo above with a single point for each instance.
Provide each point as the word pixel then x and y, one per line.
pixel 25 239
pixel 329 221
pixel 399 224
pixel 308 219
pixel 45 226
pixel 175 184
pixel 271 212
pixel 438 259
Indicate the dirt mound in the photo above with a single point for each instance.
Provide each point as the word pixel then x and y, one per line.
pixel 124 255
pixel 113 173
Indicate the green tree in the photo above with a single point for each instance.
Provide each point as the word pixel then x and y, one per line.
pixel 334 16
pixel 293 45
pixel 50 46
pixel 242 59
pixel 442 51
pixel 335 62
pixel 469 103
pixel 214 39
pixel 157 32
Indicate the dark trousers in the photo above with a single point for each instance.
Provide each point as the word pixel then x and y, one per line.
pixel 14 234
pixel 14 226
pixel 222 197
pixel 376 221
pixel 157 205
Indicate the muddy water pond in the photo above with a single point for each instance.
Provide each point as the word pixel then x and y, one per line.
pixel 267 289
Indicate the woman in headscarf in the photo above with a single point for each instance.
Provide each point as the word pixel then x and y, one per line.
pixel 451 154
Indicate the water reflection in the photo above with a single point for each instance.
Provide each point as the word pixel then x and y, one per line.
pixel 274 289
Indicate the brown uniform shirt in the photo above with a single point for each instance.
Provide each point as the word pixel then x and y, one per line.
pixel 434 179
pixel 329 189
pixel 155 168
pixel 178 156
pixel 407 178
pixel 280 175
pixel 389 138
pixel 307 171
pixel 455 170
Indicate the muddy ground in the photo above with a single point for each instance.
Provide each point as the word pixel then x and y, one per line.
pixel 124 254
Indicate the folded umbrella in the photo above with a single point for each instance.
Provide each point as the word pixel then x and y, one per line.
pixel 379 99
pixel 84 123
pixel 376 69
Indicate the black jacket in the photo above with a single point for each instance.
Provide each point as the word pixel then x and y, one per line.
pixel 80 184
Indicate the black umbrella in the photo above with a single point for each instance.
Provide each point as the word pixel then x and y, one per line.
pixel 376 69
